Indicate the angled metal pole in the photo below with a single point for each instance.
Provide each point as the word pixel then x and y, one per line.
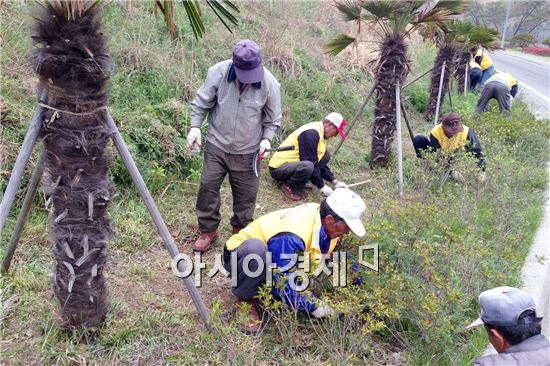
pixel 355 118
pixel 157 218
pixel 417 78
pixel 399 141
pixel 436 117
pixel 21 162
pixel 407 122
pixel 24 213
pixel 466 78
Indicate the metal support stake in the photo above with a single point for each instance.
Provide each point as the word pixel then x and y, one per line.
pixel 407 122
pixel 24 213
pixel 417 78
pixel 466 78
pixel 436 117
pixel 399 142
pixel 21 162
pixel 157 218
pixel 355 118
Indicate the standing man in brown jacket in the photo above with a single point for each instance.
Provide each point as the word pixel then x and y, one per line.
pixel 242 101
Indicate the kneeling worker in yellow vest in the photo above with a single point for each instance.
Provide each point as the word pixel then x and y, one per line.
pixel 451 135
pixel 502 87
pixel 309 159
pixel 310 228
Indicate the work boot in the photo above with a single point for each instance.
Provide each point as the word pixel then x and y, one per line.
pixel 204 241
pixel 236 229
pixel 289 192
pixel 252 322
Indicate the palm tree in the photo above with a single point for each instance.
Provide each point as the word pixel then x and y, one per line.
pixel 472 36
pixel 224 12
pixel 393 22
pixel 70 57
pixel 446 38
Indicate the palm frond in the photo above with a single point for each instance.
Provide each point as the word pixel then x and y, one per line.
pixel 440 11
pixel 337 44
pixel 485 37
pixel 223 13
pixel 350 10
pixel 381 8
pixel 193 11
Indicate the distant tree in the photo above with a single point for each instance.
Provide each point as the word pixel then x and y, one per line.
pixel 546 42
pixel 524 39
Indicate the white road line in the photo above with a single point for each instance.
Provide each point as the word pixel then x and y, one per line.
pixel 544 66
pixel 544 97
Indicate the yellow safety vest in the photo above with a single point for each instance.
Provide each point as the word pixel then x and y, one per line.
pixel 281 158
pixel 303 221
pixel 474 65
pixel 504 78
pixel 486 61
pixel 459 141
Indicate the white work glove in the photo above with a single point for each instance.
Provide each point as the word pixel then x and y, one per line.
pixel 264 145
pixel 323 310
pixel 337 184
pixel 194 140
pixel 458 177
pixel 326 190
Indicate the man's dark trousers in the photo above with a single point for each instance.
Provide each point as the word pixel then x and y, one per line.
pixel 297 174
pixel 244 187
pixel 498 91
pixel 247 287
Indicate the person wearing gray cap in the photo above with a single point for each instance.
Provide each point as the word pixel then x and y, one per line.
pixel 510 318
pixel 243 103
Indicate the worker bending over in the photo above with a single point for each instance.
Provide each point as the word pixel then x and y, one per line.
pixel 484 61
pixel 502 87
pixel 451 135
pixel 310 228
pixel 309 159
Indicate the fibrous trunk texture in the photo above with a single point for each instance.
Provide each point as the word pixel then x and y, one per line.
pixel 71 59
pixel 445 54
pixel 392 67
pixel 460 69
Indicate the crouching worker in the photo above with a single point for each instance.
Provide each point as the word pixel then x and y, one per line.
pixel 475 75
pixel 451 135
pixel 309 159
pixel 510 318
pixel 310 228
pixel 502 87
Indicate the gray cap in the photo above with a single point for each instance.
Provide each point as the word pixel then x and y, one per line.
pixel 503 306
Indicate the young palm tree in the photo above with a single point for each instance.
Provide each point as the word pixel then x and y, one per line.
pixel 71 60
pixel 446 40
pixel 393 21
pixel 472 36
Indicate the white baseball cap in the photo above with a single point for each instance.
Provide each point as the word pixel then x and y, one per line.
pixel 349 206
pixel 339 121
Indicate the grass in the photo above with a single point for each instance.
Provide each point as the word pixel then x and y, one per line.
pixel 439 246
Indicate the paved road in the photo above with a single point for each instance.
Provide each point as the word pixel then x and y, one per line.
pixel 533 74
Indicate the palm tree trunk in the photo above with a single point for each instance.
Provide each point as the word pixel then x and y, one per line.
pixel 392 67
pixel 73 68
pixel 445 54
pixel 460 70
